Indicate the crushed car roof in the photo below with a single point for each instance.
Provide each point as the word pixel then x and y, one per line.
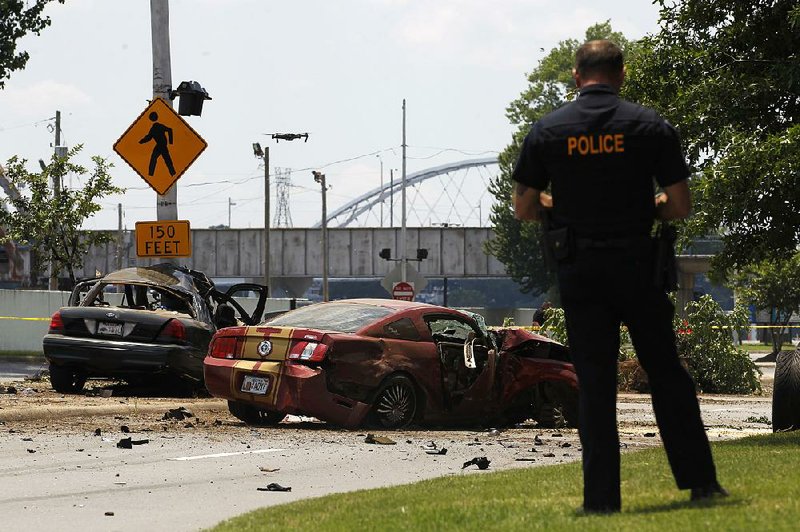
pixel 160 274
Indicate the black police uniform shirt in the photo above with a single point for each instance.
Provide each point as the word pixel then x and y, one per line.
pixel 600 154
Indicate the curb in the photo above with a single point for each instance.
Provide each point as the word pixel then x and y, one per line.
pixel 51 412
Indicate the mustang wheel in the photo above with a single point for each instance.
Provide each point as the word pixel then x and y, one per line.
pixel 786 393
pixel 396 403
pixel 66 380
pixel 253 415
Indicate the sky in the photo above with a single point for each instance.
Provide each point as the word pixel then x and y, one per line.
pixel 338 71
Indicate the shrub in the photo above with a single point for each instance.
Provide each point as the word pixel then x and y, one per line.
pixel 705 341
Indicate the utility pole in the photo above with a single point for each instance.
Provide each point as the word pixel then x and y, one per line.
pixel 391 197
pixel 53 277
pixel 319 177
pixel 403 251
pixel 381 198
pixel 229 211
pixel 119 236
pixel 166 205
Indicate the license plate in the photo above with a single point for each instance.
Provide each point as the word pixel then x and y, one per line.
pixel 255 385
pixel 112 329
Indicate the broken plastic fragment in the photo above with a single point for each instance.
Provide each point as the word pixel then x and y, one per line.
pixel 127 443
pixel 274 486
pixel 443 450
pixel 179 413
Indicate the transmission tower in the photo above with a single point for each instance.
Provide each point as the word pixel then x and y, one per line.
pixel 283 182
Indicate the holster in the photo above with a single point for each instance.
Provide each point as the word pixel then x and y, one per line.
pixel 557 243
pixel 665 275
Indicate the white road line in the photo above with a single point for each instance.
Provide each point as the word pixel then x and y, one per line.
pixel 220 455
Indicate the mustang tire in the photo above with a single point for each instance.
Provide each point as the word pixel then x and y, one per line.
pixel 395 403
pixel 66 380
pixel 253 415
pixel 786 394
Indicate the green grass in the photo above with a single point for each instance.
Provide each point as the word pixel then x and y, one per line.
pixel 762 473
pixel 764 348
pixel 22 354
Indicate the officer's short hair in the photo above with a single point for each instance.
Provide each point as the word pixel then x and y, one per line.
pixel 598 57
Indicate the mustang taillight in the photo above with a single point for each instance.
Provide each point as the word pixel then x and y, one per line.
pixel 175 330
pixel 56 323
pixel 307 351
pixel 225 346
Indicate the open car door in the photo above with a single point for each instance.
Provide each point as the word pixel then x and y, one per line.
pixel 244 302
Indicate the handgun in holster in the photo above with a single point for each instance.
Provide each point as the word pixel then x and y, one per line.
pixel 665 275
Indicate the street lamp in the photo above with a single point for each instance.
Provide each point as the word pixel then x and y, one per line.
pixel 319 177
pixel 381 159
pixel 264 154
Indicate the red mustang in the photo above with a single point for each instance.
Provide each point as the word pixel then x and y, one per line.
pixel 390 363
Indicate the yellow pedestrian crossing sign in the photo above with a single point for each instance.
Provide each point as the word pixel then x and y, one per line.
pixel 160 146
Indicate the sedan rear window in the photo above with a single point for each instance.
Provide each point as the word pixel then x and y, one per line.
pixel 340 317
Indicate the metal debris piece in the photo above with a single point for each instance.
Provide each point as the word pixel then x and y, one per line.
pixel 11 390
pixel 649 434
pixel 549 455
pixel 27 439
pixel 97 432
pixel 481 461
pixel 557 435
pixel 125 429
pixel 268 470
pixel 274 486
pixel 521 459
pixel 31 451
pixel 110 514
pixel 532 450
pixel 566 444
pixel 443 450
pixel 178 414
pixel 380 440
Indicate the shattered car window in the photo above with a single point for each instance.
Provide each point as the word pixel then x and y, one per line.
pixel 340 317
pixel 402 329
pixel 449 329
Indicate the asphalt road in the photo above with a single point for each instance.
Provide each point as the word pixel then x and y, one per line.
pixel 56 473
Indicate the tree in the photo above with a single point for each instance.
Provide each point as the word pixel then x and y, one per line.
pixel 727 73
pixel 49 220
pixel 17 21
pixel 550 85
pixel 773 286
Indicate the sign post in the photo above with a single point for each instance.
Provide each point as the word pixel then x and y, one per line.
pixel 403 291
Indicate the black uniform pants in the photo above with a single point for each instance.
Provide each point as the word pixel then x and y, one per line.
pixel 600 288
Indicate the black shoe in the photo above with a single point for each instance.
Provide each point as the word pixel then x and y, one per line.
pixel 708 492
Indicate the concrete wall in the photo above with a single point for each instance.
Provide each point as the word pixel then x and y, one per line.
pixel 452 252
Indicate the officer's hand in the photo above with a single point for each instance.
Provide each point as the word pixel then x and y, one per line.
pixel 546 200
pixel 660 198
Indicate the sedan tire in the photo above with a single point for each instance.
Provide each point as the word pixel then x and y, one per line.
pixel 253 415
pixel 66 380
pixel 395 403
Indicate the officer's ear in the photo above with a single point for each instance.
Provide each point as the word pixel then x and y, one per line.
pixel 576 77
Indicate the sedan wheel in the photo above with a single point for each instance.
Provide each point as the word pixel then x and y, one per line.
pixel 66 380
pixel 396 403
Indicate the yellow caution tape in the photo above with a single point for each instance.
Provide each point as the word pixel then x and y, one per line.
pixel 23 319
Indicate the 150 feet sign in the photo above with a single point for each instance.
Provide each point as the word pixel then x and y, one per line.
pixel 164 238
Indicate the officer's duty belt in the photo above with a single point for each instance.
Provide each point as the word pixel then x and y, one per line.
pixel 611 243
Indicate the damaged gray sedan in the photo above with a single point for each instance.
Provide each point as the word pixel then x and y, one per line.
pixel 137 324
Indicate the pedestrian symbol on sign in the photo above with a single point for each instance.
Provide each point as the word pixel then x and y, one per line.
pixel 162 135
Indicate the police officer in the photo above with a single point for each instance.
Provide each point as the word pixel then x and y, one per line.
pixel 600 155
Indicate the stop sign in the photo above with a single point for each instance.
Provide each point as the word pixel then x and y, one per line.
pixel 403 291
